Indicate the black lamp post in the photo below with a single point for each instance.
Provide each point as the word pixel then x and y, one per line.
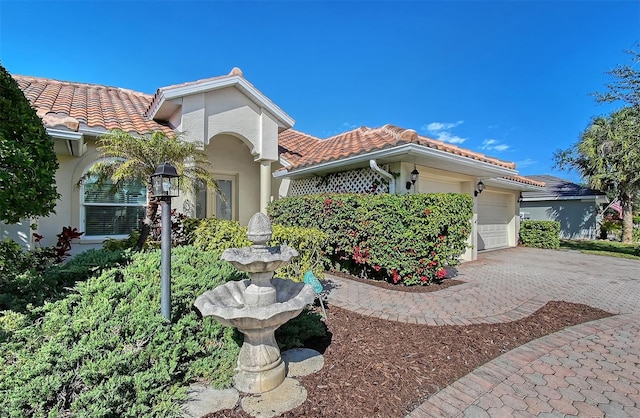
pixel 165 184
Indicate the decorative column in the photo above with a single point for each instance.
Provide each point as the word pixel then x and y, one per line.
pixel 265 185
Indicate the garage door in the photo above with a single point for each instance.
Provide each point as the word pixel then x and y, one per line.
pixel 493 220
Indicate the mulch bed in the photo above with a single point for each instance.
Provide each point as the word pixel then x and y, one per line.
pixel 433 287
pixel 378 368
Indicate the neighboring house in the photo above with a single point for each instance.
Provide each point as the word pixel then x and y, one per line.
pixel 576 207
pixel 256 157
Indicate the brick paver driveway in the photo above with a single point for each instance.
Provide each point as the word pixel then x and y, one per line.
pixel 506 285
pixel 590 370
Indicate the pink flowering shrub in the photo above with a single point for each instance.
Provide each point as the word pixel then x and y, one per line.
pixel 404 239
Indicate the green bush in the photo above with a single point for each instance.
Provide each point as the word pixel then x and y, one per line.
pixel 303 327
pixel 113 244
pixel 106 351
pixel 218 235
pixel 540 234
pixel 404 239
pixel 29 280
pixel 12 259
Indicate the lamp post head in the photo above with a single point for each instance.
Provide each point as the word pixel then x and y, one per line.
pixel 165 182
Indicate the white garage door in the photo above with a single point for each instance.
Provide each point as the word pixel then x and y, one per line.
pixel 493 220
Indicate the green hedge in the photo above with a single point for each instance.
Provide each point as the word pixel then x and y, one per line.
pixel 540 234
pixel 217 235
pixel 399 238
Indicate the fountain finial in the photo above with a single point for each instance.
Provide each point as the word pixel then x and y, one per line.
pixel 259 229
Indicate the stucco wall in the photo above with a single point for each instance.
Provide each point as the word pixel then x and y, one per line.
pixel 67 209
pixel 578 219
pixel 230 156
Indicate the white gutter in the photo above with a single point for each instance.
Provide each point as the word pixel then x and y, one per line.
pixel 385 174
pixel 419 150
pixel 73 140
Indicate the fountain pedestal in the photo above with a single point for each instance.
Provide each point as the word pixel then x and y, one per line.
pixel 260 366
pixel 257 307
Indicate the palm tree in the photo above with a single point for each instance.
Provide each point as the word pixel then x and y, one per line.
pixel 134 158
pixel 608 155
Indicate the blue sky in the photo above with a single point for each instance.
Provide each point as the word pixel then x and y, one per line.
pixel 507 78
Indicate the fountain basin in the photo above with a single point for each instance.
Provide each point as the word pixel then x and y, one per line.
pixel 260 366
pixel 259 260
pixel 227 304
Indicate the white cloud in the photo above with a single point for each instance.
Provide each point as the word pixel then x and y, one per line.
pixel 442 126
pixel 447 137
pixel 349 125
pixel 440 130
pixel 525 163
pixel 493 145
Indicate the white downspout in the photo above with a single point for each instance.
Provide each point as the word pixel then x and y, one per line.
pixel 388 176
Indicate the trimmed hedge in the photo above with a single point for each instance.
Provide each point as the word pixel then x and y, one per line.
pixel 405 239
pixel 540 234
pixel 217 235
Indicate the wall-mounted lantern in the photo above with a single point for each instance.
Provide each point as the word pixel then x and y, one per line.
pixel 479 188
pixel 414 178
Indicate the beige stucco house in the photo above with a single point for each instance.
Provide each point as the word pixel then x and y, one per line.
pixel 256 157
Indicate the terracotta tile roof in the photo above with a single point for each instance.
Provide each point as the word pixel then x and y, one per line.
pixel 294 145
pixel 74 105
pixel 302 150
pixel 526 180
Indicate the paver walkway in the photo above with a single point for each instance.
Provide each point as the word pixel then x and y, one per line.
pixel 590 370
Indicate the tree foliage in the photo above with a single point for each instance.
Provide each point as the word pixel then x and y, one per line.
pixel 130 157
pixel 608 153
pixel 27 161
pixel 625 86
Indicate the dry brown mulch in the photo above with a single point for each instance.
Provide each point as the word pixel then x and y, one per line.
pixel 378 368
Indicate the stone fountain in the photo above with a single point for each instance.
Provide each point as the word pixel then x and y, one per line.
pixel 258 306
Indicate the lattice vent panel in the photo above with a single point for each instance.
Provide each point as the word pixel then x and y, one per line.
pixel 356 181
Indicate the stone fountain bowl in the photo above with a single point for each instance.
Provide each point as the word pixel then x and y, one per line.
pixel 259 259
pixel 227 305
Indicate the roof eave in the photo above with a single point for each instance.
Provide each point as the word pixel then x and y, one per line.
pixel 514 185
pixel 284 120
pixel 597 198
pixel 73 141
pixel 487 169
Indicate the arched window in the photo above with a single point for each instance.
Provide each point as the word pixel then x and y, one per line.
pixel 107 212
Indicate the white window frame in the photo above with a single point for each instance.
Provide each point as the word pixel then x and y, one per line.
pixel 83 212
